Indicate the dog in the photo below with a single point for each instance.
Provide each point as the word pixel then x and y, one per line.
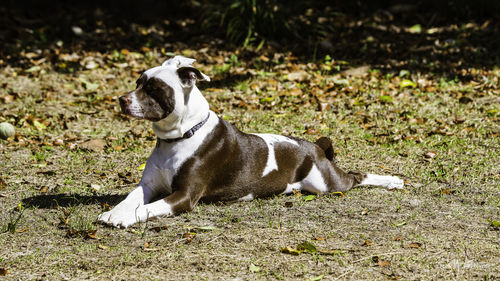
pixel 199 156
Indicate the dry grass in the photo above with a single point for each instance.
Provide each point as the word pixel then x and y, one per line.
pixel 437 228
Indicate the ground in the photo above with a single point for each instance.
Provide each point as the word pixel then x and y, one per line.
pixel 75 155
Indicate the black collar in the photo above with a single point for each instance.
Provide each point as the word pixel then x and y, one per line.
pixel 187 134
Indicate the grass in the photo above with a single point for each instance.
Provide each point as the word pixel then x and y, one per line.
pixel 439 227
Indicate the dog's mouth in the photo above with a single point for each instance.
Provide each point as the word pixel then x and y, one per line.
pixel 126 108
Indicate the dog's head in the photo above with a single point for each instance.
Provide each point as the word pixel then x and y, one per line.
pixel 163 90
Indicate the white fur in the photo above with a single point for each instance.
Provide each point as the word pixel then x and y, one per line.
pixel 135 106
pixel 162 165
pixel 127 213
pixel 389 182
pixel 270 140
pixel 313 182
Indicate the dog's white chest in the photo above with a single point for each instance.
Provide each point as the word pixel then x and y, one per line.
pixel 168 158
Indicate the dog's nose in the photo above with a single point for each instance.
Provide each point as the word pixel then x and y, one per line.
pixel 124 101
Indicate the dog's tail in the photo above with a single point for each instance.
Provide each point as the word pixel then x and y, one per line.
pixel 326 145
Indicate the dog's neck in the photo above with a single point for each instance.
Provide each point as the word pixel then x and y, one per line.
pixel 189 112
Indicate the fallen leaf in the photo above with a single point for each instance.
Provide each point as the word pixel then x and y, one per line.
pixel 291 251
pixel 323 106
pixel 299 76
pixel 367 243
pixel 379 262
pixel 58 142
pixel 264 58
pixel 142 167
pixel 95 187
pixel 204 228
pixel 317 278
pixel 159 228
pixel 189 236
pixel 309 197
pixel 8 98
pixel 33 69
pixel 383 263
pixel 357 71
pixel 398 224
pixel 407 83
pixel 96 145
pixel 495 224
pixel 39 126
pixel 102 247
pixel 430 154
pixel 386 99
pixel 253 268
pixel 91 234
pixel 307 246
pixel 106 207
pixel 417 28
pixel 338 193
pixel 414 245
pixel 88 85
pixel 3 272
pixel 3 184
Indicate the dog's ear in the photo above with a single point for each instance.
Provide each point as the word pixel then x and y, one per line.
pixel 189 76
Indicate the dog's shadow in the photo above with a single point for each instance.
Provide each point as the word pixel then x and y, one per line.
pixel 66 200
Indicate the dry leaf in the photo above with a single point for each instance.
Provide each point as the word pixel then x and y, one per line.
pixel 3 184
pixel 414 245
pixel 96 145
pixel 383 263
pixel 291 251
pixel 299 76
pixel 91 234
pixel 379 262
pixel 22 230
pixel 357 71
pixel 3 272
pixel 397 238
pixel 367 243
pixel 159 228
pixel 189 236
pixel 430 154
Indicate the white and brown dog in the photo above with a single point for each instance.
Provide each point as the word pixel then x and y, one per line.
pixel 199 156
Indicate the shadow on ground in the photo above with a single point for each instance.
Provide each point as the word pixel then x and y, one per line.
pixel 66 200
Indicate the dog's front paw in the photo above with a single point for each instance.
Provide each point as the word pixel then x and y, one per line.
pixel 118 218
pixel 395 183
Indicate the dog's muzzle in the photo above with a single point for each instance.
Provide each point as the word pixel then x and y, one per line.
pixel 125 101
